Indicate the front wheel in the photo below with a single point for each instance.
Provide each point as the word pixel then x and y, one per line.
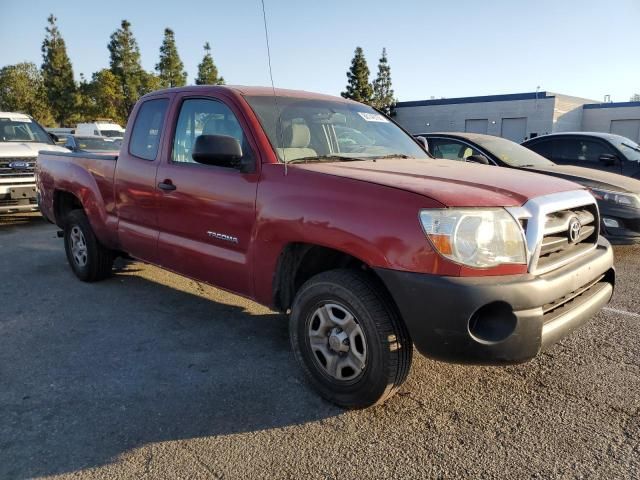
pixel 349 339
pixel 88 258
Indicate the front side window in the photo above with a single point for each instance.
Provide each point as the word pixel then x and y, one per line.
pixel 579 150
pixel 451 149
pixel 145 137
pixel 310 129
pixel 200 116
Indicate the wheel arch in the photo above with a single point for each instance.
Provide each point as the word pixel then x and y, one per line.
pixel 299 261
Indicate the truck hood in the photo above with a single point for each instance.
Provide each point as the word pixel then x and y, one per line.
pixel 27 149
pixel 452 183
pixel 592 178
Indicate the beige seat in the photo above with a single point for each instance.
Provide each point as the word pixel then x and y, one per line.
pixel 296 137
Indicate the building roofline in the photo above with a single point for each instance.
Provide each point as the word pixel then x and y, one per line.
pixel 590 106
pixel 480 99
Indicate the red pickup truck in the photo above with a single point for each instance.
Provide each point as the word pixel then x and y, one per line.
pixel 325 209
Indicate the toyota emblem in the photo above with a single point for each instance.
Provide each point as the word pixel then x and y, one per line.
pixel 574 230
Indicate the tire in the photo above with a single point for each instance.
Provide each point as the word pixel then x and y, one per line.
pixel 90 261
pixel 361 365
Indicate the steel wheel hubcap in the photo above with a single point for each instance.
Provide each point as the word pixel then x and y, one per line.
pixel 337 342
pixel 78 246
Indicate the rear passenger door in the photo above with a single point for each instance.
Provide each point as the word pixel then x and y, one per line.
pixel 206 219
pixel 135 180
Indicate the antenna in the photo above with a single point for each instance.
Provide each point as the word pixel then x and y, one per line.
pixel 273 87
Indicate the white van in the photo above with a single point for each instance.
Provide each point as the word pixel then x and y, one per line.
pixel 102 129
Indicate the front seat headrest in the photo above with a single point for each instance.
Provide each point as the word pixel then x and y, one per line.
pixel 297 135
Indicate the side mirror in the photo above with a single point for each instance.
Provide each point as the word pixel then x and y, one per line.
pixel 478 159
pixel 54 137
pixel 608 159
pixel 219 150
pixel 423 141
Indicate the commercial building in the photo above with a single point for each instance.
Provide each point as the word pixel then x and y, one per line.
pixel 519 116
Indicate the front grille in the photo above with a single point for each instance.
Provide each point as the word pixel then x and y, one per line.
pixel 7 172
pixel 558 245
pixel 558 228
pixel 14 202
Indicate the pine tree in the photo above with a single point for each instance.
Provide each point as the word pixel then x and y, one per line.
pixel 57 74
pixel 170 67
pixel 125 65
pixel 382 91
pixel 358 86
pixel 22 90
pixel 207 70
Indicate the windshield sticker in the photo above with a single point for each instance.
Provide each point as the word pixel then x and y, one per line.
pixel 373 117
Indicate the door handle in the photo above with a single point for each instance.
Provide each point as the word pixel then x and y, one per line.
pixel 167 186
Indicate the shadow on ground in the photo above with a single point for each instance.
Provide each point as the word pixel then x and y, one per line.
pixel 90 371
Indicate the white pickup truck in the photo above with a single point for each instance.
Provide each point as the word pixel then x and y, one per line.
pixel 21 138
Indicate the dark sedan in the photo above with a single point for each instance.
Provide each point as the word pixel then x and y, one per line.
pixel 601 151
pixel 618 196
pixel 92 144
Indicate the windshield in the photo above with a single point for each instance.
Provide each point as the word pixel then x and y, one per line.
pixel 512 153
pixel 22 130
pixel 97 143
pixel 326 130
pixel 629 148
pixel 111 133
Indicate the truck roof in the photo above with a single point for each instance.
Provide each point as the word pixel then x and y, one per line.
pixel 253 91
pixel 15 115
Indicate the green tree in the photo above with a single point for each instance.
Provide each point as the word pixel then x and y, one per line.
pixel 170 67
pixel 57 74
pixel 207 70
pixel 635 97
pixel 22 90
pixel 99 98
pixel 382 91
pixel 358 86
pixel 125 66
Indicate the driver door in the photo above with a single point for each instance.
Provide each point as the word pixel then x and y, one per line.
pixel 206 212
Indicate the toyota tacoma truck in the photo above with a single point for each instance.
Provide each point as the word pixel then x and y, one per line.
pixel 21 137
pixel 325 209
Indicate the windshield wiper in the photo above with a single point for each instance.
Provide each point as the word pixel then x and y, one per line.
pixel 324 158
pixel 636 148
pixel 392 155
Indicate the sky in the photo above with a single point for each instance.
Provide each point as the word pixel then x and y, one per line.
pixel 452 48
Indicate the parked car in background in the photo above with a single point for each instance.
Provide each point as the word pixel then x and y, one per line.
pixel 371 245
pixel 21 138
pixel 618 196
pixel 101 129
pixel 60 134
pixel 92 144
pixel 600 151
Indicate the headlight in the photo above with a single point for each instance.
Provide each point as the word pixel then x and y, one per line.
pixel 622 199
pixel 475 237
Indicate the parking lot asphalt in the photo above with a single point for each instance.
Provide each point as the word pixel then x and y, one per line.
pixel 152 375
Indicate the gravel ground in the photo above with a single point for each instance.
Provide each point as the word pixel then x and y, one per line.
pixel 152 375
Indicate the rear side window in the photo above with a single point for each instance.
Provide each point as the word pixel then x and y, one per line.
pixel 145 137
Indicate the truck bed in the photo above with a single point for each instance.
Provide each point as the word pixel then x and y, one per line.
pixel 90 177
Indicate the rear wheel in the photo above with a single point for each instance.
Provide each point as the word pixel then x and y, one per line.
pixel 89 260
pixel 348 338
